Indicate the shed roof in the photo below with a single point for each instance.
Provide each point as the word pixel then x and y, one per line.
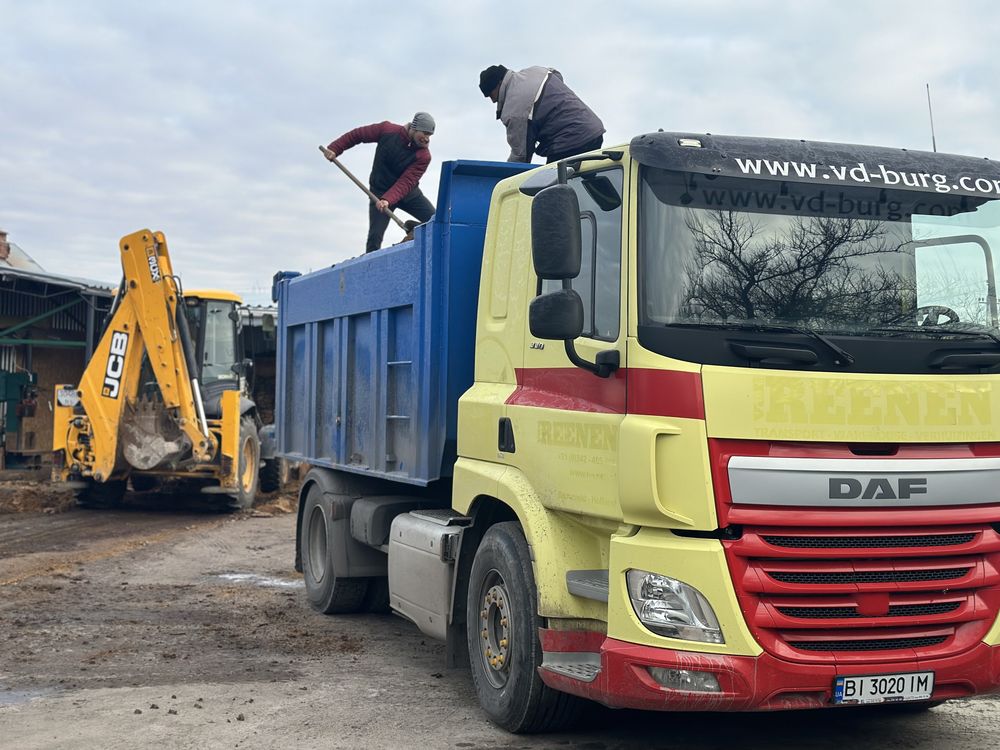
pixel 19 265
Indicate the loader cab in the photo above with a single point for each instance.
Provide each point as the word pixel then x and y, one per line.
pixel 213 317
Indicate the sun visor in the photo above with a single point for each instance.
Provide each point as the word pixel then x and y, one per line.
pixel 833 164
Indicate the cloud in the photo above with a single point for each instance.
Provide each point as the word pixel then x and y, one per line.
pixel 202 119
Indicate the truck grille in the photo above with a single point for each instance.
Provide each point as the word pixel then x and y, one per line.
pixel 871 576
pixel 898 610
pixel 875 644
pixel 824 595
pixel 853 542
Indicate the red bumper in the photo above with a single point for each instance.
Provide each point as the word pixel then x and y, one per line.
pixel 748 683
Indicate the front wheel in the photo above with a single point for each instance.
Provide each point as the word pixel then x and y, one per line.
pixel 502 625
pixel 326 591
pixel 249 465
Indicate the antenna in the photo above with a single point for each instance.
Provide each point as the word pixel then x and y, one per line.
pixel 930 112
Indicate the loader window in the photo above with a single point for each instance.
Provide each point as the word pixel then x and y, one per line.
pixel 214 332
pixel 219 353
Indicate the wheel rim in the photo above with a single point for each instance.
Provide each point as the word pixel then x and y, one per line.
pixel 246 478
pixel 316 540
pixel 494 629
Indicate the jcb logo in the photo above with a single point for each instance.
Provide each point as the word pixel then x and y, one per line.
pixel 154 265
pixel 877 489
pixel 116 365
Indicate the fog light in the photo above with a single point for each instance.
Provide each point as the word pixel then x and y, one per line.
pixel 686 679
pixel 670 607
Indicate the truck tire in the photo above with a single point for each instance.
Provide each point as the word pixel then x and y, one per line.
pixel 249 466
pixel 377 597
pixel 102 494
pixel 502 633
pixel 326 591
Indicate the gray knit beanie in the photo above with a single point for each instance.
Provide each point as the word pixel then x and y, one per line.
pixel 422 122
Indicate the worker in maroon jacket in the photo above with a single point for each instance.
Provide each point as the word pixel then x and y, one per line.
pixel 401 158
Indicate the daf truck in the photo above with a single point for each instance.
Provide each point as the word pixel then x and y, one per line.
pixel 694 423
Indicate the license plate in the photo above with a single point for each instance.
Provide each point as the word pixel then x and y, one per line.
pixel 883 688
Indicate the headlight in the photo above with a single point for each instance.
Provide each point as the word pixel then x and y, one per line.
pixel 672 608
pixel 67 396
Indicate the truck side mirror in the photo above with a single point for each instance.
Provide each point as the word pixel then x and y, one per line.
pixel 556 253
pixel 556 316
pixel 556 243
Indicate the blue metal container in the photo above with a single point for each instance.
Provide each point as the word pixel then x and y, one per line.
pixel 374 352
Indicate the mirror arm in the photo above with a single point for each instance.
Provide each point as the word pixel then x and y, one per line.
pixel 607 361
pixel 574 162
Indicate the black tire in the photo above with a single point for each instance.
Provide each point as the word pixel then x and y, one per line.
pixel 504 651
pixel 326 592
pixel 144 482
pixel 249 466
pixel 377 598
pixel 102 494
pixel 271 475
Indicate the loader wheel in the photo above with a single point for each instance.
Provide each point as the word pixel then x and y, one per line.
pixel 249 466
pixel 102 494
pixel 144 482
pixel 326 591
pixel 272 474
pixel 502 625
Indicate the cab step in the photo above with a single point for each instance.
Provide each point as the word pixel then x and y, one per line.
pixel 576 665
pixel 590 584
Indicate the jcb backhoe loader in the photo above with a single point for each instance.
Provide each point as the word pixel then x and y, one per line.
pixel 163 400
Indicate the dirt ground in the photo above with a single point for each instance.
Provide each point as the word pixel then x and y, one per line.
pixel 163 626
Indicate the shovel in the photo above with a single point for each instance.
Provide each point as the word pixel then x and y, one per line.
pixel 374 198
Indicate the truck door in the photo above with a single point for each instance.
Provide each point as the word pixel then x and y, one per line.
pixel 565 420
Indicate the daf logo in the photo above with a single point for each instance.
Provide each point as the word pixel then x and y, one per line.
pixel 878 488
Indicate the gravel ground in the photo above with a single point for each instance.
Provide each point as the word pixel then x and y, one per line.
pixel 153 626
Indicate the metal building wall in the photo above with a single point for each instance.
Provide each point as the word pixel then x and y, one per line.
pixel 21 305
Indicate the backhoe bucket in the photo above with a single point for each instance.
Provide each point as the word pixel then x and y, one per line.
pixel 151 438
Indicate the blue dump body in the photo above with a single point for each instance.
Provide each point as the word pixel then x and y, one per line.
pixel 374 352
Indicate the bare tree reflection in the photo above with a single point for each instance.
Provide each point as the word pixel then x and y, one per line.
pixel 812 272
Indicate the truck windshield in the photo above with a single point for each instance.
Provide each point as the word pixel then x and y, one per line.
pixel 855 261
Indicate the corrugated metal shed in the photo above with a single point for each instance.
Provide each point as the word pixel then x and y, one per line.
pixel 49 325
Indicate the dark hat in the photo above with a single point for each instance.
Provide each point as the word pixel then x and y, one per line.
pixel 490 78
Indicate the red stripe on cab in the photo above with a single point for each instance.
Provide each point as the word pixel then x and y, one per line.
pixel 569 389
pixel 639 391
pixel 666 393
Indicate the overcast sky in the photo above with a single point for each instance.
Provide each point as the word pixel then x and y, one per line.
pixel 202 119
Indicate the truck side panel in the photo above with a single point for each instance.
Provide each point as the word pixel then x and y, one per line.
pixel 374 352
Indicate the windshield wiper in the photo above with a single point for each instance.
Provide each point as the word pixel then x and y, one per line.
pixel 980 333
pixel 840 356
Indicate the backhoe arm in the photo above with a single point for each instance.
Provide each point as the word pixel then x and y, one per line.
pixel 148 317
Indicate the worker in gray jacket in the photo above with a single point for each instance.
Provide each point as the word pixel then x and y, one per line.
pixel 541 113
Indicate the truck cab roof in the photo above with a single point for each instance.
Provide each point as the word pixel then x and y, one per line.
pixel 814 161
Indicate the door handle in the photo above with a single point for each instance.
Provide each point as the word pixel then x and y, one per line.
pixel 505 436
